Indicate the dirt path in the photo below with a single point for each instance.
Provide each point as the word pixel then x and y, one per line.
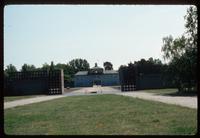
pixel 30 101
pixel 74 92
pixel 96 89
pixel 190 102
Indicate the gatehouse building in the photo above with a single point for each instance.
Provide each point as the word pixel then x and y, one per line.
pixel 96 76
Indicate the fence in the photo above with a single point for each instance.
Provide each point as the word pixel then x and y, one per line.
pixel 34 82
pixel 128 87
pixel 56 82
pixel 127 78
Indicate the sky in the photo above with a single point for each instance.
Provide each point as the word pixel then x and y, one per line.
pixel 120 34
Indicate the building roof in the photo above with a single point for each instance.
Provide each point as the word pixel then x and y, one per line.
pixel 96 67
pixel 104 72
pixel 96 70
pixel 82 73
pixel 110 71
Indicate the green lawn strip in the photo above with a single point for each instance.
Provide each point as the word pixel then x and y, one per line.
pixel 100 115
pixel 161 91
pixel 13 98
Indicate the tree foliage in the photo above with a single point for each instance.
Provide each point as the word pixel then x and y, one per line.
pixel 9 69
pixel 108 65
pixel 191 26
pixel 27 67
pixel 173 48
pixel 182 53
pixel 45 67
pixel 150 61
pixel 79 65
pixel 67 69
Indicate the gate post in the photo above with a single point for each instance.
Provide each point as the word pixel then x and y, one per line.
pixel 62 81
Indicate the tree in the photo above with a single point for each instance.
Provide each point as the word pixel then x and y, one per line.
pixel 9 69
pixel 45 67
pixel 191 34
pixel 177 47
pixel 191 26
pixel 27 67
pixel 157 62
pixel 173 48
pixel 108 65
pixel 182 52
pixel 79 65
pixel 67 70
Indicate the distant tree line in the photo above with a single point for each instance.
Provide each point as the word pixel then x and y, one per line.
pixel 69 69
pixel 149 66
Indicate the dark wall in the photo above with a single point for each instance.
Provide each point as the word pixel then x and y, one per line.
pixel 34 82
pixel 149 81
pixel 127 75
pixel 28 87
pixel 143 77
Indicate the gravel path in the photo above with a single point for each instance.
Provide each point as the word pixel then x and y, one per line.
pixel 30 101
pixel 81 91
pixel 96 89
pixel 190 102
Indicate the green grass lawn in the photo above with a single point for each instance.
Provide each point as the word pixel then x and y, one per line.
pixel 13 98
pixel 100 115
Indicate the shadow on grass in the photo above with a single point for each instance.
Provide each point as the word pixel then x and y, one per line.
pixel 177 93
